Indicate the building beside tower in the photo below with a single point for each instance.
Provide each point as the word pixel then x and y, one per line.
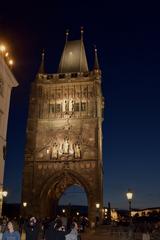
pixel 64 134
pixel 7 82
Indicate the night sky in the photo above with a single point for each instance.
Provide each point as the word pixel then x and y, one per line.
pixel 127 36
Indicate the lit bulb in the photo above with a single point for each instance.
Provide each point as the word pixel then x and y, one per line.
pixel 2 48
pixel 24 204
pixel 4 193
pixel 11 62
pixel 6 55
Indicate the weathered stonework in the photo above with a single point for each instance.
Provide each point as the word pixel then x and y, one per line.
pixel 64 141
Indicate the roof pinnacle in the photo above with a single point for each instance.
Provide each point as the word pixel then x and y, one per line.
pixel 82 31
pixel 41 69
pixel 67 34
pixel 96 63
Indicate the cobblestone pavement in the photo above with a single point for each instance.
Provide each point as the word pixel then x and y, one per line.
pixel 106 233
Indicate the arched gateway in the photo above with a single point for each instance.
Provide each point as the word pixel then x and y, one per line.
pixel 64 134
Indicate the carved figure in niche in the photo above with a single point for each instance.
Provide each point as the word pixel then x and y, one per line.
pixel 71 151
pixel 66 106
pixel 71 106
pixel 54 153
pixel 60 151
pixel 77 151
pixel 65 145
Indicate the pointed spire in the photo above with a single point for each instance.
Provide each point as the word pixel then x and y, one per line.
pixel 67 33
pixel 73 58
pixel 82 31
pixel 96 63
pixel 41 69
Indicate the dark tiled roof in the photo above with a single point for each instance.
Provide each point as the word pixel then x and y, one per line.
pixel 73 58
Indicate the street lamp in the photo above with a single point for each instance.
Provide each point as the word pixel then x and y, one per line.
pixel 24 204
pixel 129 195
pixel 97 213
pixel 2 195
pixel 63 210
pixel 2 49
pixel 97 205
pixel 10 62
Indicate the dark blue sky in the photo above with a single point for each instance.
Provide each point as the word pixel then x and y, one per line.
pixel 128 40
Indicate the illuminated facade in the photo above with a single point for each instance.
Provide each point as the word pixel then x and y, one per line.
pixel 145 212
pixel 7 82
pixel 64 134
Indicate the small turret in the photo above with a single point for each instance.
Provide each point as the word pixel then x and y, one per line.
pixel 41 69
pixel 96 63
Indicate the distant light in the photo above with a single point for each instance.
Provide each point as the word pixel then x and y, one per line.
pixel 63 210
pixel 105 210
pixel 11 62
pixel 6 54
pixel 4 193
pixel 77 213
pixel 24 204
pixel 129 195
pixel 2 48
pixel 97 205
pixel 47 151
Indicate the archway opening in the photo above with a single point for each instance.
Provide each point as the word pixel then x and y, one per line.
pixel 73 202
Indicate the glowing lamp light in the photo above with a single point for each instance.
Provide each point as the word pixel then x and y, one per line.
pixel 63 210
pixel 4 193
pixel 77 213
pixel 105 210
pixel 6 54
pixel 97 205
pixel 10 62
pixel 47 151
pixel 2 48
pixel 129 195
pixel 24 204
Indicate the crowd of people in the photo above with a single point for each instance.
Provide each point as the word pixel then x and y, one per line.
pixel 46 229
pixel 61 229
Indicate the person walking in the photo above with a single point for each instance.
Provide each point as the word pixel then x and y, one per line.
pixel 73 235
pixel 11 233
pixel 32 229
pixel 1 233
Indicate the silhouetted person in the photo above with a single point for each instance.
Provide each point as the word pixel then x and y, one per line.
pixel 32 229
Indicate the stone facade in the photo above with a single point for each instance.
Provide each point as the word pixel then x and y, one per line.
pixel 64 141
pixel 7 81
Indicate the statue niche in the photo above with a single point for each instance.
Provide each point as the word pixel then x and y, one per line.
pixel 63 150
pixel 77 151
pixel 65 146
pixel 54 151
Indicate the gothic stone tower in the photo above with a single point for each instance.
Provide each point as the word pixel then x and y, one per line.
pixel 64 134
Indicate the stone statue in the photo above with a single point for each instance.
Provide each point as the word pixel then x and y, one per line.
pixel 65 146
pixel 71 151
pixel 54 153
pixel 77 151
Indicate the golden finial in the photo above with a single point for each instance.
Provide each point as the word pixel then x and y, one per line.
pixel 95 48
pixel 82 31
pixel 67 33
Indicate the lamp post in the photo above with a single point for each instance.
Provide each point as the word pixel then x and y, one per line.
pixel 24 206
pixel 97 212
pixel 129 195
pixel 2 195
pixel 63 210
